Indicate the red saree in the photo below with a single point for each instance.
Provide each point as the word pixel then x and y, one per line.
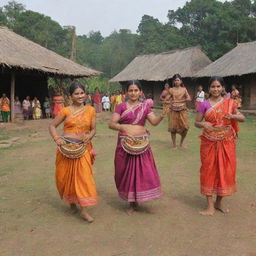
pixel 218 150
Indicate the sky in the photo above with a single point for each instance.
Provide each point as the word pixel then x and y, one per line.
pixel 101 15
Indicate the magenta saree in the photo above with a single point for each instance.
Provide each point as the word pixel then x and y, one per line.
pixel 136 176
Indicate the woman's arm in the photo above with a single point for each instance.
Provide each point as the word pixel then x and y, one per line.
pixel 153 119
pixel 52 129
pixel 187 96
pixel 91 134
pixel 238 116
pixel 113 124
pixel 199 123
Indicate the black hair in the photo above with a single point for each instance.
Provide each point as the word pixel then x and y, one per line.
pixel 177 76
pixel 74 86
pixel 131 82
pixel 217 78
pixel 220 80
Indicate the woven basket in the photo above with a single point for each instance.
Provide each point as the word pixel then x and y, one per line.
pixel 135 147
pixel 72 150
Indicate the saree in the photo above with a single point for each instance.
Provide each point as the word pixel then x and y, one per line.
pixel 136 176
pixel 58 104
pixel 74 177
pixel 218 149
pixel 178 119
pixel 97 102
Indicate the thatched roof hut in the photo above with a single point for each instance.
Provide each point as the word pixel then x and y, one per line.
pixel 154 69
pixel 162 66
pixel 25 67
pixel 237 67
pixel 239 61
pixel 18 52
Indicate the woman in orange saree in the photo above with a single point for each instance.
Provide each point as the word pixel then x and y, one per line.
pixel 74 177
pixel 218 117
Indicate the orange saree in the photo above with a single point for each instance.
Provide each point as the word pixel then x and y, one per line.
pixel 178 119
pixel 218 150
pixel 74 177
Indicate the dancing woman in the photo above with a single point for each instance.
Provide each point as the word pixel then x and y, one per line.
pixel 136 175
pixel 178 120
pixel 74 177
pixel 218 117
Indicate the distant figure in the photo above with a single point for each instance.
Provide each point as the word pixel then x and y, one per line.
pixel 236 96
pixel 119 98
pixel 47 108
pixel 17 106
pixel 178 120
pixel 88 99
pixel 225 94
pixel 26 106
pixel 58 101
pixel 112 102
pixel 200 95
pixel 106 102
pixel 165 96
pixel 97 101
pixel 37 111
pixel 5 108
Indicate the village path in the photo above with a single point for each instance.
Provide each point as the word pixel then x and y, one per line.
pixel 34 221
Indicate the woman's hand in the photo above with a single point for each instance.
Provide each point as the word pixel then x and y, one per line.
pixel 86 138
pixel 165 111
pixel 207 125
pixel 60 142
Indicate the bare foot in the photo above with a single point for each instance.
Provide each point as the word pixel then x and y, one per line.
pixel 130 210
pixel 134 206
pixel 73 209
pixel 207 212
pixel 183 146
pixel 219 207
pixel 174 147
pixel 87 217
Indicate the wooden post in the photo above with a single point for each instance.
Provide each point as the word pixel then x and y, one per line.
pixel 12 95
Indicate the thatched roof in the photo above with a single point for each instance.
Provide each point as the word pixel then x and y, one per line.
pixel 162 66
pixel 239 61
pixel 18 52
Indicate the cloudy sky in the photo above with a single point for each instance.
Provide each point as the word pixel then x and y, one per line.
pixel 101 15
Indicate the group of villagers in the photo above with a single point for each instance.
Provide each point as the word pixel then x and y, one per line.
pixel 136 175
pixel 29 109
pixel 105 102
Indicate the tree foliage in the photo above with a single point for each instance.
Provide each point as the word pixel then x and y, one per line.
pixel 216 26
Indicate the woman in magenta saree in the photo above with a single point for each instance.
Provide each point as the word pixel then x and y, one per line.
pixel 136 175
pixel 218 117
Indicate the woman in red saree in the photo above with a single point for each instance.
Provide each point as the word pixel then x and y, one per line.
pixel 218 117
pixel 74 177
pixel 97 101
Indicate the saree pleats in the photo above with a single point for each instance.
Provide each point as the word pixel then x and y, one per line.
pixel 136 176
pixel 178 121
pixel 218 169
pixel 218 151
pixel 74 179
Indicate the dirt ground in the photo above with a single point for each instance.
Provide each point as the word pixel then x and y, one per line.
pixel 35 222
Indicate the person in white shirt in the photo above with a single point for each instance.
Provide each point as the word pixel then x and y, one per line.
pixel 200 95
pixel 106 102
